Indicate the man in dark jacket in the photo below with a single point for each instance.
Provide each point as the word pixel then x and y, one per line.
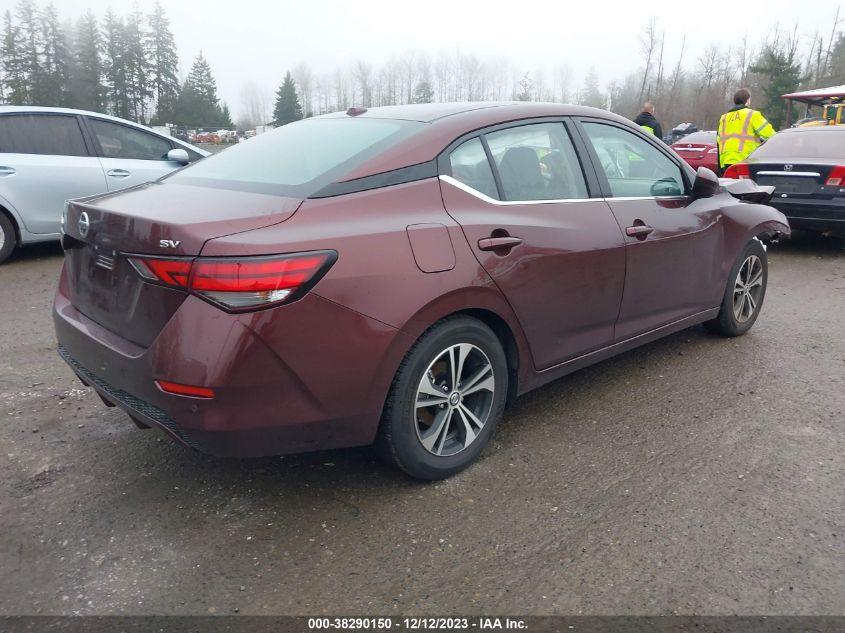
pixel 646 120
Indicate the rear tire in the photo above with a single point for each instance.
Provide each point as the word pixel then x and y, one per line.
pixel 744 293
pixel 445 401
pixel 8 239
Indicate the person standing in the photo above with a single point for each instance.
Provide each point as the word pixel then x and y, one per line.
pixel 741 131
pixel 647 121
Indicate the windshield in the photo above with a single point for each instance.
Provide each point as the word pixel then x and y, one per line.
pixel 297 159
pixel 807 143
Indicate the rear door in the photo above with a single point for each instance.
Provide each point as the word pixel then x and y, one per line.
pixel 557 254
pixel 674 243
pixel 44 160
pixel 130 156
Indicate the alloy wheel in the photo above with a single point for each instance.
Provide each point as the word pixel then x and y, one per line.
pixel 748 289
pixel 453 399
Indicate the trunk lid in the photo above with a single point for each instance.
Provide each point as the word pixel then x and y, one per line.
pixel 160 219
pixel 794 179
pixel 695 151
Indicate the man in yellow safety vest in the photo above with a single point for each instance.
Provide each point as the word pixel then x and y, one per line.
pixel 741 131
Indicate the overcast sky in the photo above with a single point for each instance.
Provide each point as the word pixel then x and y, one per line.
pixel 252 40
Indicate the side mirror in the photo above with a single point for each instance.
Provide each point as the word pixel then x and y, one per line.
pixel 706 183
pixel 179 156
pixel 666 187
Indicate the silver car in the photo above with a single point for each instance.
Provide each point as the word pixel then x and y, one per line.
pixel 49 155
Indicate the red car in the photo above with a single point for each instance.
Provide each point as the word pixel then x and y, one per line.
pixel 699 149
pixel 397 276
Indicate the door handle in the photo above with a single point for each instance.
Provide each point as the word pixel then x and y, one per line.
pixel 498 243
pixel 7 171
pixel 640 231
pixel 117 173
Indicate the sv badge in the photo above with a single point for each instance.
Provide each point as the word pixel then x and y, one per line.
pixel 169 243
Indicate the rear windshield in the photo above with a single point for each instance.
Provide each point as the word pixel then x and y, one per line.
pixel 699 138
pixel 297 159
pixel 804 144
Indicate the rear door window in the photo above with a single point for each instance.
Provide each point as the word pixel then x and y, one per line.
pixel 470 166
pixel 537 162
pixel 122 141
pixel 46 134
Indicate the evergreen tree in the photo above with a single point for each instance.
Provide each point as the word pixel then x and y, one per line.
pixel 29 45
pixel 226 117
pixel 86 76
pixel 781 74
pixel 164 62
pixel 591 95
pixel 837 62
pixel 423 93
pixel 287 107
pixel 198 105
pixel 15 82
pixel 114 49
pixel 52 90
pixel 136 67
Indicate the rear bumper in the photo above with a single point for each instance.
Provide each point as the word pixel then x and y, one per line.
pixel 819 215
pixel 308 376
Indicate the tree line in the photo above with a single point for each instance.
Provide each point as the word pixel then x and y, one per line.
pixel 128 66
pixel 125 66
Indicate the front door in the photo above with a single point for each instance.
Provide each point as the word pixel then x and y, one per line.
pixel 555 253
pixel 674 243
pixel 130 156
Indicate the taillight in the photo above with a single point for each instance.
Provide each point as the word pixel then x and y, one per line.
pixel 240 283
pixel 167 272
pixel 836 176
pixel 255 282
pixel 740 171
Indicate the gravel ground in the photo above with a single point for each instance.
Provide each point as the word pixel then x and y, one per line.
pixel 694 475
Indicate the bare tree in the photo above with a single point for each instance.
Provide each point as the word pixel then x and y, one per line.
pixel 304 79
pixel 649 43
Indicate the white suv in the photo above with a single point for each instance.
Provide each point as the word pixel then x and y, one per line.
pixel 49 155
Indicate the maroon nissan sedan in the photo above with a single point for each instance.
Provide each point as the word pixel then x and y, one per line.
pixel 397 276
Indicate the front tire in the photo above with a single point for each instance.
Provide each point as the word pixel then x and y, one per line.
pixel 8 240
pixel 446 399
pixel 744 293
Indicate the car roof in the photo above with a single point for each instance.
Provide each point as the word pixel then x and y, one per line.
pixel 13 109
pixel 431 112
pixel 813 128
pixel 444 122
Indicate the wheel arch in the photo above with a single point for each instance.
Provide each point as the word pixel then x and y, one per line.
pixel 6 210
pixel 507 338
pixel 484 303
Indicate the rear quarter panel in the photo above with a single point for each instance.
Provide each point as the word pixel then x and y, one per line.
pixel 376 273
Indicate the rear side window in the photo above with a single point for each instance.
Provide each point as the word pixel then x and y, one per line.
pixel 122 141
pixel 299 158
pixel 47 134
pixel 470 166
pixel 537 162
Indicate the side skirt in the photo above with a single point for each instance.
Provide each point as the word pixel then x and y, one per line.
pixel 579 362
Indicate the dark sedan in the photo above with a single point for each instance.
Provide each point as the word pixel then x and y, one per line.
pixel 806 166
pixel 397 276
